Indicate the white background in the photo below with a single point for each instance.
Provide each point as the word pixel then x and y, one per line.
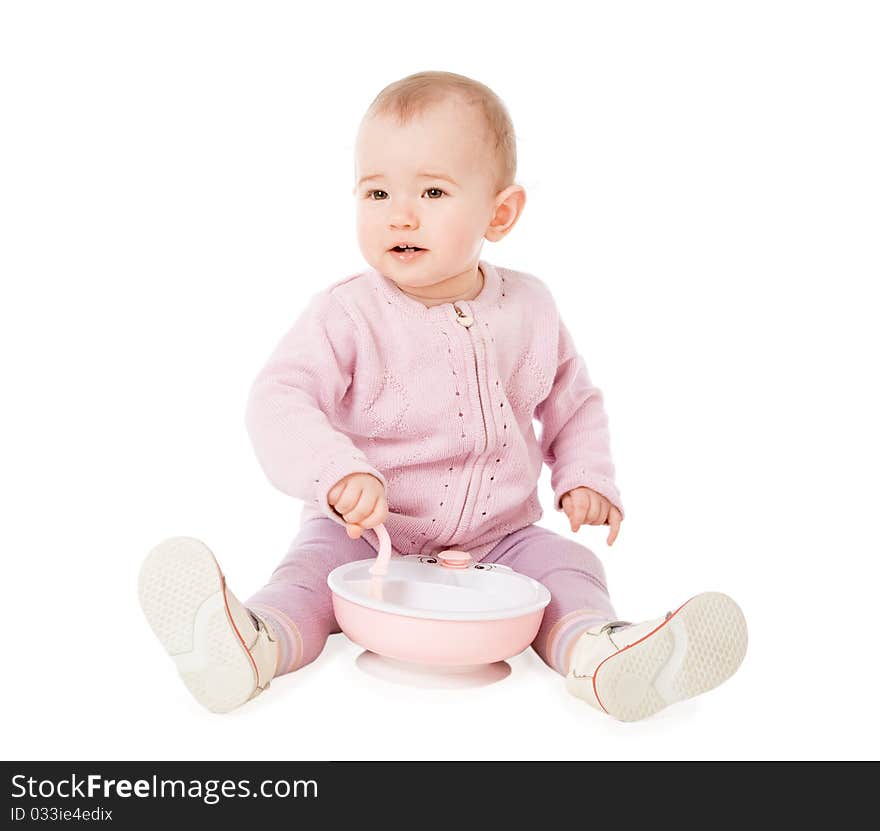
pixel 702 185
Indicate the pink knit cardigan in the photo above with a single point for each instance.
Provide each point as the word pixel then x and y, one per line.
pixel 437 403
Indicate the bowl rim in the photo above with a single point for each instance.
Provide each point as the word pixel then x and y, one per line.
pixel 334 581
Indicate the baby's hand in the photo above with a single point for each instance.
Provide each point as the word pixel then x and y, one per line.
pixel 583 505
pixel 359 499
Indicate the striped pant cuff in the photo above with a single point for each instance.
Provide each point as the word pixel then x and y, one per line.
pixel 564 634
pixel 287 635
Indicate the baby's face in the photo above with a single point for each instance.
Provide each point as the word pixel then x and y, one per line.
pixel 431 184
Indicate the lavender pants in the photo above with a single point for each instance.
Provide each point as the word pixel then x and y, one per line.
pixel 297 605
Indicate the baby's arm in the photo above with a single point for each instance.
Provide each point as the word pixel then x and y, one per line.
pixel 574 436
pixel 303 381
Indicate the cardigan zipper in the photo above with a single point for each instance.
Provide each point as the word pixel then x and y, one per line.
pixel 467 321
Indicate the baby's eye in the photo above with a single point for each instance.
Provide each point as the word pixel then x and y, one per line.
pixel 377 195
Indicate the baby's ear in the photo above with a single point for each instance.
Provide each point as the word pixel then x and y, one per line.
pixel 509 205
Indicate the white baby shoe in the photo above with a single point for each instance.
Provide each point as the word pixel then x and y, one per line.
pixel 223 657
pixel 633 670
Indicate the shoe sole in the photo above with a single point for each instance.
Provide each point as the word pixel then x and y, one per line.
pixel 184 597
pixel 694 650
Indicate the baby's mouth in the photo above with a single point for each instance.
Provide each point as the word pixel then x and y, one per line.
pixel 400 248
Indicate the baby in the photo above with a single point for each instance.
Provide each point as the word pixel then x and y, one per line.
pixel 405 395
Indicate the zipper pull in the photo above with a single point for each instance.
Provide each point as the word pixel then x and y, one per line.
pixel 462 318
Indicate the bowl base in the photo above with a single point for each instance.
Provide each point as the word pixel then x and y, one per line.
pixel 431 676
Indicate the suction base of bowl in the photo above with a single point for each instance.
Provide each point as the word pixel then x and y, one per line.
pixel 430 676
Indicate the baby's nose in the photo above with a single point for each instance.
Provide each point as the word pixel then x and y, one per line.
pixel 404 218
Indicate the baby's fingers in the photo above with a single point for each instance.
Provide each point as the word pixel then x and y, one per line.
pixel 614 521
pixel 567 507
pixel 580 505
pixel 335 492
pixel 377 517
pixel 572 511
pixel 598 512
pixel 598 507
pixel 362 508
pixel 356 517
pixel 347 501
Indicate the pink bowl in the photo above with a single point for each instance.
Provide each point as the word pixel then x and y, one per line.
pixel 444 610
pixel 441 642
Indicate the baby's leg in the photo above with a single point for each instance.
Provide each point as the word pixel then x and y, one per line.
pixel 225 652
pixel 296 602
pixel 576 581
pixel 628 670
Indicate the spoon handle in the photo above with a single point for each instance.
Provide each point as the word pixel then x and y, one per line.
pixel 380 567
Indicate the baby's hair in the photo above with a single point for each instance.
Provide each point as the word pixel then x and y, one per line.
pixel 410 97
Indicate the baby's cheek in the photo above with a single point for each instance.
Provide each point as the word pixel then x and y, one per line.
pixel 364 231
pixel 462 237
pixel 367 221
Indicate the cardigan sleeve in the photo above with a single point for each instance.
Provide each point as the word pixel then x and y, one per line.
pixel 574 429
pixel 292 401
